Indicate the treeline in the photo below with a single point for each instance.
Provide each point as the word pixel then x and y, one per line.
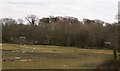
pixel 62 31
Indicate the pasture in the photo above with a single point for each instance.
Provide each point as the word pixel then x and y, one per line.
pixel 51 57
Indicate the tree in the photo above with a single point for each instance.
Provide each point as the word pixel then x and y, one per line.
pixel 20 21
pixel 7 21
pixel 64 31
pixel 32 19
pixel 87 21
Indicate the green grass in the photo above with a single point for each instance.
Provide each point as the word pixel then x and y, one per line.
pixel 53 57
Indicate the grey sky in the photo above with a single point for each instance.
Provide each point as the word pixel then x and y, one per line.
pixel 92 9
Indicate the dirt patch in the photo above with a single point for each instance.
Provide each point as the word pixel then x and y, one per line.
pixel 7 50
pixel 108 64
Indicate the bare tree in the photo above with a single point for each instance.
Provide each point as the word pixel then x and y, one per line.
pixel 20 21
pixel 32 19
pixel 8 21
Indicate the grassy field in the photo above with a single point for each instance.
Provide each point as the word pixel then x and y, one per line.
pixel 51 57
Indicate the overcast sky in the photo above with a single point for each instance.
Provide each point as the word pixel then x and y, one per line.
pixel 92 9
